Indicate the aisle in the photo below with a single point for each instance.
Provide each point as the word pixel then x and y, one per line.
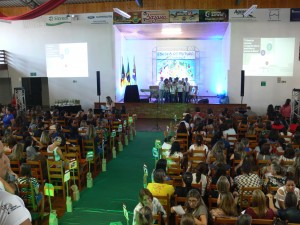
pixel 102 204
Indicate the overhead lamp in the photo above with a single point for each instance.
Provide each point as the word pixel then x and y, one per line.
pixel 250 10
pixel 171 30
pixel 122 13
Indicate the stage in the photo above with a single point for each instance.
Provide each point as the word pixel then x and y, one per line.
pixel 168 110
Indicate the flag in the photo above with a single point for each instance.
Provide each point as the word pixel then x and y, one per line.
pixel 128 74
pixel 134 71
pixel 122 75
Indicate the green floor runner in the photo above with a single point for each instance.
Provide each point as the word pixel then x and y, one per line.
pixel 121 182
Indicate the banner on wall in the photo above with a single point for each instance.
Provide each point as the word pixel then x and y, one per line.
pixel 295 14
pixel 214 15
pixel 261 15
pixel 136 17
pixel 97 18
pixel 56 20
pixel 175 55
pixel 161 16
pixel 184 16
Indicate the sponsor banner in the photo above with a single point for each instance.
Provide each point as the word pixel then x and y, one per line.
pixel 184 16
pixel 295 14
pixel 155 16
pixel 214 15
pixel 175 55
pixel 261 15
pixel 97 18
pixel 56 20
pixel 136 17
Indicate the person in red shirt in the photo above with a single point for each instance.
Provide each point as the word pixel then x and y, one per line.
pixel 285 110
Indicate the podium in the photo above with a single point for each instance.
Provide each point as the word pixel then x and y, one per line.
pixel 131 94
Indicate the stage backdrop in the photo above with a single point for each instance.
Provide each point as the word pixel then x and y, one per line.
pixel 143 62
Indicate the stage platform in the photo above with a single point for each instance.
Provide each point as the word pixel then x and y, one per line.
pixel 168 110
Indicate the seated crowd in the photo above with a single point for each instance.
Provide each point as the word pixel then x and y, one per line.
pixel 30 141
pixel 236 166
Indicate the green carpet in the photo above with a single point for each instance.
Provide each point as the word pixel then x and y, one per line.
pixel 120 184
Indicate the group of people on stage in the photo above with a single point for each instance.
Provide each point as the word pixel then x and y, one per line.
pixel 174 90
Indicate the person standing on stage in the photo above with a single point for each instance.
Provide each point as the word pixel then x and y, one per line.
pixel 187 90
pixel 172 92
pixel 167 90
pixel 180 90
pixel 161 89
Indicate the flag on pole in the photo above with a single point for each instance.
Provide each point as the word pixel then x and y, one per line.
pixel 134 71
pixel 122 74
pixel 128 74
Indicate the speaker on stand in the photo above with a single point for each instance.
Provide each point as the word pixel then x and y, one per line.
pixel 98 85
pixel 242 85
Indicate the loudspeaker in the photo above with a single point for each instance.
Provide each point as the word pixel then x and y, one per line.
pixel 98 83
pixel 203 101
pixel 242 82
pixel 131 94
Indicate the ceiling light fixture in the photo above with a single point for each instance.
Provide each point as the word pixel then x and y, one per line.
pixel 250 10
pixel 171 30
pixel 122 13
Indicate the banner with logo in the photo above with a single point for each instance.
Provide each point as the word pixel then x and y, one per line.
pixel 295 14
pixel 136 17
pixel 261 15
pixel 155 16
pixel 56 20
pixel 184 16
pixel 214 15
pixel 97 18
pixel 175 55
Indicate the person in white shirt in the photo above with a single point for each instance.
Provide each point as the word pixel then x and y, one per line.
pixel 12 208
pixel 187 90
pixel 161 90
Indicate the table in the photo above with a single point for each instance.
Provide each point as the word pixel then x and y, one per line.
pixel 69 108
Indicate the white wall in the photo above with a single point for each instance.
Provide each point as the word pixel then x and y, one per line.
pixel 273 93
pixel 25 42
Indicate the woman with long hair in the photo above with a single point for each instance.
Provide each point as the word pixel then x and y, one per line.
pixel 17 153
pixel 259 209
pixel 195 205
pixel 226 208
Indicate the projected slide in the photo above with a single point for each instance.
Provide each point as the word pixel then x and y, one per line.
pixel 181 68
pixel 67 60
pixel 268 56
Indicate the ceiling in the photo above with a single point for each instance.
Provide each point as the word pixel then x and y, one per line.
pixel 192 31
pixel 21 3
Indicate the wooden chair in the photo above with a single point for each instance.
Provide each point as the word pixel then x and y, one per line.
pixel 89 145
pixel 242 132
pixel 246 196
pixel 232 139
pixel 56 176
pixel 228 221
pixel 36 209
pixel 195 160
pixel 157 219
pixel 165 202
pixel 251 137
pixel 15 166
pixel 179 200
pixel 182 138
pixel 37 172
pixel 78 174
pixel 286 163
pixel 176 162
